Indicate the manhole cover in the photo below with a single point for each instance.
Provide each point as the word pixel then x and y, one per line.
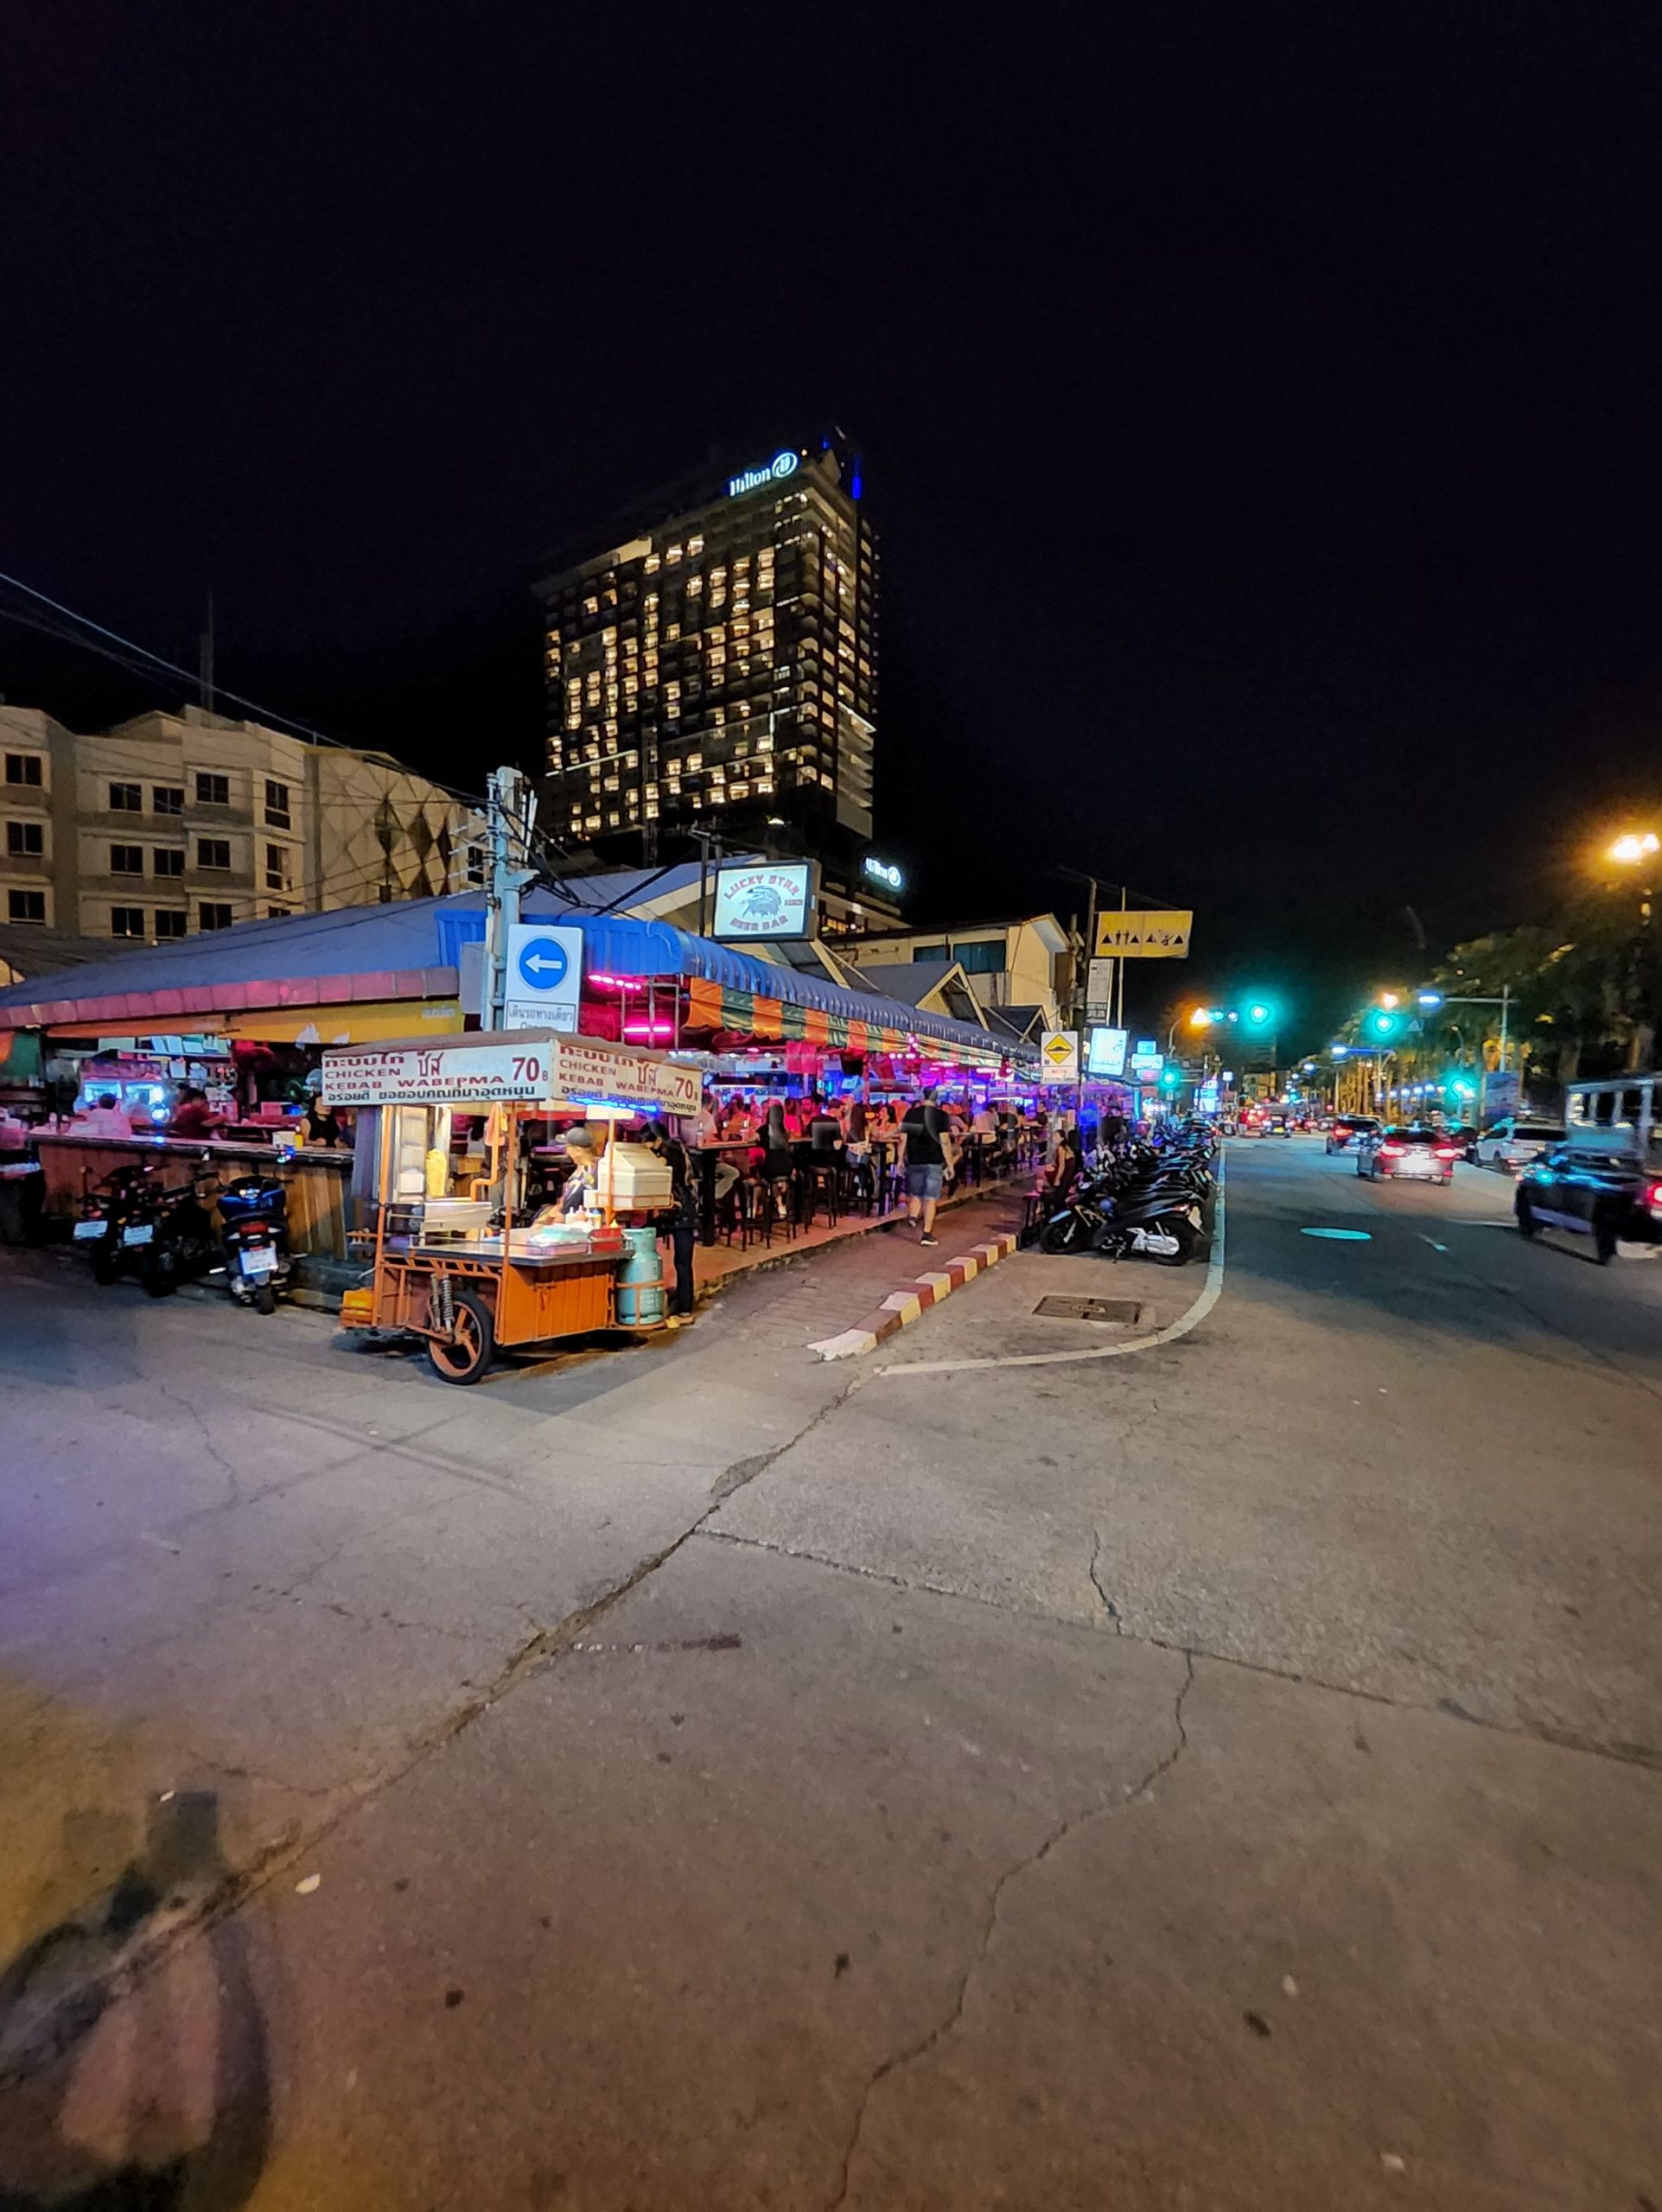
pixel 1125 1310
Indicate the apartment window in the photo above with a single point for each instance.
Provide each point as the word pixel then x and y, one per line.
pixel 213 791
pixel 25 841
pixel 277 869
pixel 167 860
pixel 277 913
pixel 169 922
pixel 126 860
pixel 276 805
pixel 25 905
pixel 126 798
pixel 210 915
pixel 166 798
pixel 126 921
pixel 213 852
pixel 986 959
pixel 24 768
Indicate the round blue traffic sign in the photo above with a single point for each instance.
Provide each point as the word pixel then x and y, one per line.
pixel 543 963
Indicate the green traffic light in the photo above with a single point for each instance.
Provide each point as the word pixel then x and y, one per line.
pixel 1259 1015
pixel 1384 1025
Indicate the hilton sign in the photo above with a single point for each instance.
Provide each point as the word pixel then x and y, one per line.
pixel 775 472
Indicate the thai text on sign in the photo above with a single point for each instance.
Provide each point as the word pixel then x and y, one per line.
pixel 533 1072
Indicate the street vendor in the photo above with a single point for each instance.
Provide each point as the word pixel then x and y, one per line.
pixel 581 1187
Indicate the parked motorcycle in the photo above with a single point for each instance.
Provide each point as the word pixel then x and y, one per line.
pixel 1142 1201
pixel 182 1244
pixel 117 1221
pixel 255 1242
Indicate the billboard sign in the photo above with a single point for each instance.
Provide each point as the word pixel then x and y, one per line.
pixel 1144 936
pixel 1104 1054
pixel 756 903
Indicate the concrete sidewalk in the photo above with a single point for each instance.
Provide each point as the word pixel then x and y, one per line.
pixel 259 1562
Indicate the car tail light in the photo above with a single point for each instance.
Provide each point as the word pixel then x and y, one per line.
pixel 1392 1151
pixel 1653 1196
pixel 1446 1152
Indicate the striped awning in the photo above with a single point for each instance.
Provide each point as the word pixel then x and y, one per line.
pixel 712 1006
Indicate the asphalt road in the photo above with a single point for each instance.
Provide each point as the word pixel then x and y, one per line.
pixel 1224 1773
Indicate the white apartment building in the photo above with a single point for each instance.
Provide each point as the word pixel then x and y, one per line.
pixel 172 824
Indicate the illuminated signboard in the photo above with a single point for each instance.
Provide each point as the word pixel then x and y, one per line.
pixel 782 465
pixel 1105 1053
pixel 884 872
pixel 775 901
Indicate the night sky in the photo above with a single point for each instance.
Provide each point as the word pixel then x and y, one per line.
pixel 1260 405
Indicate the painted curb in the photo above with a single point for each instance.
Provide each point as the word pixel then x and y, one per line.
pixel 913 1299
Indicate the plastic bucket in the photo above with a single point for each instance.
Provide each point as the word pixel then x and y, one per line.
pixel 640 1281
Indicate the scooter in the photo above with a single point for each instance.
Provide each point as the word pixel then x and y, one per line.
pixel 1153 1220
pixel 254 1211
pixel 181 1246
pixel 118 1221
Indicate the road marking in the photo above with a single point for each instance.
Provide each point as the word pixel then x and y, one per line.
pixel 1212 1290
pixel 1341 1236
pixel 1433 1243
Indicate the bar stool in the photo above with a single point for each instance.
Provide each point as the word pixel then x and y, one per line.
pixel 823 1186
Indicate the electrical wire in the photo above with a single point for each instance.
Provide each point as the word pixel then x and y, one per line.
pixel 548 852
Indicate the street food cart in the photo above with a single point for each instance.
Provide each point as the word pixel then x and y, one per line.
pixel 465 1270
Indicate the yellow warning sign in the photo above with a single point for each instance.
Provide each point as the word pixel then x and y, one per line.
pixel 1144 936
pixel 1059 1053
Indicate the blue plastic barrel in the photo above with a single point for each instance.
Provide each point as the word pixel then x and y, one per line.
pixel 641 1282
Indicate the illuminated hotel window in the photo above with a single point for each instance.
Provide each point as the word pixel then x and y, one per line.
pixel 695 545
pixel 674 553
pixel 651 565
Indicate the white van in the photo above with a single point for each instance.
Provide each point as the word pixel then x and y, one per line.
pixel 1514 1141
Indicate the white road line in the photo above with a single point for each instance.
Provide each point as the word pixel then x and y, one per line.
pixel 1433 1243
pixel 1211 1292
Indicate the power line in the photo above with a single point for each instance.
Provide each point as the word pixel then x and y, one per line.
pixel 542 847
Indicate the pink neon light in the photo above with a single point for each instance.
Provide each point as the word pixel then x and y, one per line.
pixel 649 1029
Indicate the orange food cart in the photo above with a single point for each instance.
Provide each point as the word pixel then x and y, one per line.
pixel 459 1271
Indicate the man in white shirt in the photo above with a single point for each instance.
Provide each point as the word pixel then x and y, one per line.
pixel 103 1119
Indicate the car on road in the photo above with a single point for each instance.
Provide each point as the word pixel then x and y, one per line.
pixel 1605 1180
pixel 1347 1129
pixel 1409 1152
pixel 1514 1141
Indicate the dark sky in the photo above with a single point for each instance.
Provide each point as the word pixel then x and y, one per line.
pixel 1260 403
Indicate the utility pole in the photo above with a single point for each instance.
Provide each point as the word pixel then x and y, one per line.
pixel 707 842
pixel 509 806
pixel 205 661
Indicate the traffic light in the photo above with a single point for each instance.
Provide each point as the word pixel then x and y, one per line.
pixel 1259 1014
pixel 1170 1078
pixel 1384 1026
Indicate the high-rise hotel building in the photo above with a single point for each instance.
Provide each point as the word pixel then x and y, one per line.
pixel 718 670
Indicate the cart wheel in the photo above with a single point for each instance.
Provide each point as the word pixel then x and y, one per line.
pixel 466 1360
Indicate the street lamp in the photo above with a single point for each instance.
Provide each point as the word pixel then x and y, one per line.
pixel 1636 845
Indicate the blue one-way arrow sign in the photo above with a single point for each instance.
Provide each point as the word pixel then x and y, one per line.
pixel 545 977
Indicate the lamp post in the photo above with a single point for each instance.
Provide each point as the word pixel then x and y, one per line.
pixel 1432 999
pixel 1639 848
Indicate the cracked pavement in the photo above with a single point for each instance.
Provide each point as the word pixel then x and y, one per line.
pixel 1224 1777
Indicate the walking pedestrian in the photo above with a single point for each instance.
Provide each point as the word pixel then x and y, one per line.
pixel 684 1214
pixel 923 1149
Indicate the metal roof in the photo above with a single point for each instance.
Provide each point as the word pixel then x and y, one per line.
pixel 411 950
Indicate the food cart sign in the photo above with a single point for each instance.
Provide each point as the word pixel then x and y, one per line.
pixel 540 1071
